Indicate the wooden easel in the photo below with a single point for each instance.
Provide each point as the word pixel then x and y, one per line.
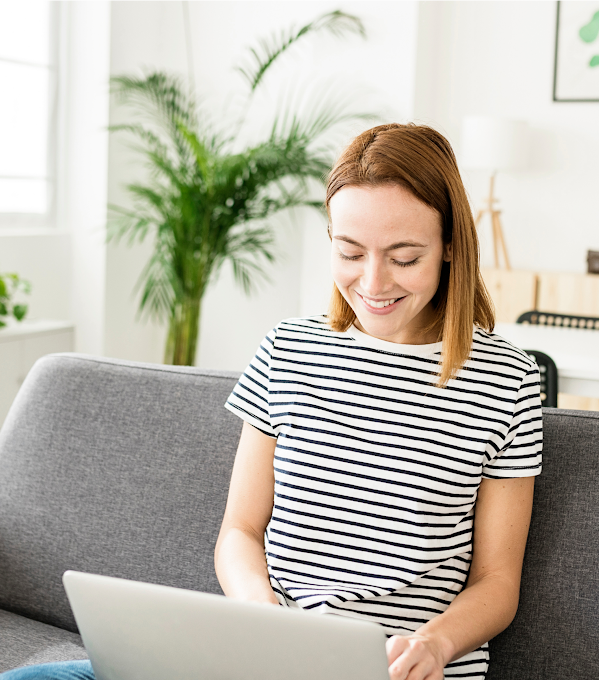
pixel 498 240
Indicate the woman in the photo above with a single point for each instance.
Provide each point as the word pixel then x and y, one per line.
pixel 373 435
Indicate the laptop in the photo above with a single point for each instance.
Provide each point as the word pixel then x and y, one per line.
pixel 140 631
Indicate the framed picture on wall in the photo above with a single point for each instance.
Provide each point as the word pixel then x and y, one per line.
pixel 576 69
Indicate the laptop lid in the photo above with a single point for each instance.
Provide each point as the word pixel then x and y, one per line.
pixel 139 631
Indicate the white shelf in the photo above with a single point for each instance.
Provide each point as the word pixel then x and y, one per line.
pixel 28 327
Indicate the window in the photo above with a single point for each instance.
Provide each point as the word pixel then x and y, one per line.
pixel 28 83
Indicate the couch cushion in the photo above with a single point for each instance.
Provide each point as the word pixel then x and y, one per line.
pixel 25 642
pixel 115 468
pixel 555 634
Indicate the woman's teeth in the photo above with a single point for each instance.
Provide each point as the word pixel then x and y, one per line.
pixel 382 303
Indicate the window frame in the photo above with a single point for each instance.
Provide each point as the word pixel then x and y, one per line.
pixel 20 221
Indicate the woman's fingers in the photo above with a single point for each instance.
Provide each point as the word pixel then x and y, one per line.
pixel 395 646
pixel 412 658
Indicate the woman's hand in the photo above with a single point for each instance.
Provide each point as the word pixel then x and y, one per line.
pixel 414 657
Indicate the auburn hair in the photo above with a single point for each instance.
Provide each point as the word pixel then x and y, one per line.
pixel 421 160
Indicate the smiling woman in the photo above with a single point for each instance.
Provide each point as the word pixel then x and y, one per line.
pixel 374 435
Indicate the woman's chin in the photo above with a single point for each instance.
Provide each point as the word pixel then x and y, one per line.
pixel 380 328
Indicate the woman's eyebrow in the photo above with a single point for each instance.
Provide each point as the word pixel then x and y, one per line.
pixel 395 246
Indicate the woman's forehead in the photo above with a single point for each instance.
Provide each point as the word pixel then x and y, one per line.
pixel 386 212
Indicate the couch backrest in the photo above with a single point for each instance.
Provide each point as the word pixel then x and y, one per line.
pixel 116 468
pixel 555 634
pixel 122 469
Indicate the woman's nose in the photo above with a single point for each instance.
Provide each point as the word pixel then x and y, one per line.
pixel 376 279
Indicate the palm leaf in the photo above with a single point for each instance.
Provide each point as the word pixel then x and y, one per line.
pixel 158 93
pixel 338 23
pixel 156 286
pixel 316 112
pixel 161 160
pixel 127 223
pixel 199 149
pixel 162 98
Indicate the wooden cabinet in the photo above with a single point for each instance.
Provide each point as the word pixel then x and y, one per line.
pixel 569 293
pixel 513 292
pixel 21 345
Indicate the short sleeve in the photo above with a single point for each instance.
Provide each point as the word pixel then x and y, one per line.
pixel 520 455
pixel 249 398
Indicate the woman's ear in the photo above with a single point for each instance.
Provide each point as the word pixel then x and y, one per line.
pixel 447 252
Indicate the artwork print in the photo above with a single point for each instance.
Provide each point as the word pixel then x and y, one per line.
pixel 576 74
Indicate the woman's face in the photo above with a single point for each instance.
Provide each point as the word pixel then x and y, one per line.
pixel 387 249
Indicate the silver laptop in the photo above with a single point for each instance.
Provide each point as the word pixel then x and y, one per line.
pixel 138 631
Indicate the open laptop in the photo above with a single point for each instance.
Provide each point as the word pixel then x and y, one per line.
pixel 139 631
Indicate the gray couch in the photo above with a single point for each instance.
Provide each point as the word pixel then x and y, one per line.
pixel 122 469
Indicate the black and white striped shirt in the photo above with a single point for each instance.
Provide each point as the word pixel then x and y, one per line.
pixel 377 469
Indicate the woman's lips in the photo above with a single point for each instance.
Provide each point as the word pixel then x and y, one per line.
pixel 381 310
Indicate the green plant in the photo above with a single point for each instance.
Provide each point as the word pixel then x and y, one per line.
pixel 204 202
pixel 10 286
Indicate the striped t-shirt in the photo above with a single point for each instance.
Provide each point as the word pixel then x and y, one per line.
pixel 377 469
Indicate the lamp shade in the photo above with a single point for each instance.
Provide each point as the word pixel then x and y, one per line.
pixel 490 143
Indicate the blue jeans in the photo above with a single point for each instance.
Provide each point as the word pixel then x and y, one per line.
pixel 62 670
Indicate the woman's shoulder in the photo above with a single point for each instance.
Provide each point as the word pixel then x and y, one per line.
pixel 306 333
pixel 488 347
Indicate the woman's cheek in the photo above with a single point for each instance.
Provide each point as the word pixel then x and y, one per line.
pixel 421 280
pixel 342 273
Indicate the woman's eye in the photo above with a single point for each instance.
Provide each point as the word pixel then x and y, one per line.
pixel 352 258
pixel 405 264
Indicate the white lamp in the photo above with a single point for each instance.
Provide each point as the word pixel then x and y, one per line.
pixel 493 144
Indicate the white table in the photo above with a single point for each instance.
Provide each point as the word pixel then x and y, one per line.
pixel 575 352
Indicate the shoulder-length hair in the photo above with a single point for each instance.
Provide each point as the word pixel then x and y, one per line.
pixel 421 160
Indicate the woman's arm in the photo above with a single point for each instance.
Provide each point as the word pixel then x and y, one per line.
pixel 239 556
pixel 488 603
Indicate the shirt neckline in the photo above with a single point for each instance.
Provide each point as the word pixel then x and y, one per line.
pixel 393 347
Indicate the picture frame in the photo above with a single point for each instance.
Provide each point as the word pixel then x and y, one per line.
pixel 576 65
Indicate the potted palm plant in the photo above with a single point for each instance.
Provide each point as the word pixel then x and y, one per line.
pixel 205 203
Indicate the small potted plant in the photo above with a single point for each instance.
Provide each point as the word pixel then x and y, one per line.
pixel 10 287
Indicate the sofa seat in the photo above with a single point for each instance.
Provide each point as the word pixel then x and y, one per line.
pixel 25 642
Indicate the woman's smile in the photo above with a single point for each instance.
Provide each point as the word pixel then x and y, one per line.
pixel 381 306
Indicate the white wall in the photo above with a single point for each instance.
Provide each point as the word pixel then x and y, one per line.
pixel 496 58
pixel 85 167
pixel 379 73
